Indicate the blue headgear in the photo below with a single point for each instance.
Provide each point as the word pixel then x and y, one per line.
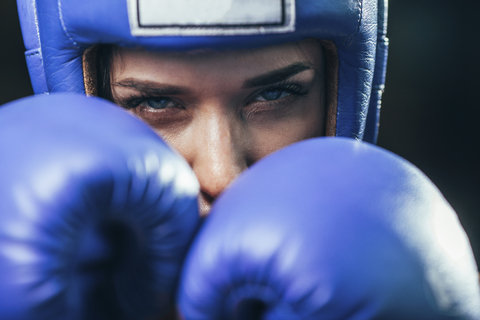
pixel 57 33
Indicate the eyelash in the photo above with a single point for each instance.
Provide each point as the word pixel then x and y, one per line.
pixel 135 100
pixel 289 86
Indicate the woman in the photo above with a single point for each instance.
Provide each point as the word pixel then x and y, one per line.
pixel 222 110
pixel 227 83
pixel 244 79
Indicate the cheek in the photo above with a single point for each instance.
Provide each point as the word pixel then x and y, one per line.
pixel 179 136
pixel 307 122
pixel 249 140
pixel 182 138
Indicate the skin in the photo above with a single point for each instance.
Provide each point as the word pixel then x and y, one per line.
pixel 224 110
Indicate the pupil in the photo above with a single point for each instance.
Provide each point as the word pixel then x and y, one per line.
pixel 271 94
pixel 157 103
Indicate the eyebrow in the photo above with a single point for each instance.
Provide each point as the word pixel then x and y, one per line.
pixel 271 77
pixel 151 87
pixel 276 75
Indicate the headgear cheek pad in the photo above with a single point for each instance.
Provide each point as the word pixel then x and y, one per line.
pixel 57 33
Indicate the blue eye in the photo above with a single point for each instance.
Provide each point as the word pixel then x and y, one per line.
pixel 272 94
pixel 159 103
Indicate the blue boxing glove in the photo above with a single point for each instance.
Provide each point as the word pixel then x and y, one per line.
pixel 96 212
pixel 331 228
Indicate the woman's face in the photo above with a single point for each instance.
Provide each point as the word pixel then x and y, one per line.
pixel 224 110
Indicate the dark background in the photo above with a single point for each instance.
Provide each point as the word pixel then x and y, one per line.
pixel 431 106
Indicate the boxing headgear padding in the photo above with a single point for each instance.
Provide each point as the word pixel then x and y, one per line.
pixel 27 13
pixel 66 30
pixel 378 84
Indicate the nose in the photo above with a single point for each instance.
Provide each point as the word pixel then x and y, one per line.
pixel 219 156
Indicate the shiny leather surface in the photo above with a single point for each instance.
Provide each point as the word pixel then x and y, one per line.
pixel 36 70
pixel 331 228
pixel 378 85
pixel 31 38
pixel 96 212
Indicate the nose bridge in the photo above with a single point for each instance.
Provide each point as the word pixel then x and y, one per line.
pixel 220 154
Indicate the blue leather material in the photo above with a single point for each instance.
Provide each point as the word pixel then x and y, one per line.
pixel 62 56
pixel 28 22
pixel 31 38
pixel 97 212
pixel 378 85
pixel 36 70
pixel 67 28
pixel 331 229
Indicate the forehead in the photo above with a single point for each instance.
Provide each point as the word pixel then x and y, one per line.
pixel 226 61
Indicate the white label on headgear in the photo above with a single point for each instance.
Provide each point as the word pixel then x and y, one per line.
pixel 210 17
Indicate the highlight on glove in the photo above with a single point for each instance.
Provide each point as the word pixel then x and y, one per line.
pixel 97 212
pixel 331 228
